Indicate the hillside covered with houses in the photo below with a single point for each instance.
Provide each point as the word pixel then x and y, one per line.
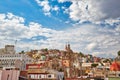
pixel 51 61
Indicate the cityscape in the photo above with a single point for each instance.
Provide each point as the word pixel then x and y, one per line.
pixel 59 40
pixel 47 64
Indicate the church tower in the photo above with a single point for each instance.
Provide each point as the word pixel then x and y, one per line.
pixel 68 48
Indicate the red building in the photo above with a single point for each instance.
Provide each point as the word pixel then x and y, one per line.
pixel 115 66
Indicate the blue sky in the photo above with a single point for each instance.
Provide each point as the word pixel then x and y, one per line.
pixel 32 12
pixel 90 26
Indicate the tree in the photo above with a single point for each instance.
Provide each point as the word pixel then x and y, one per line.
pixel 94 65
pixel 22 52
pixel 118 53
pixel 81 54
pixel 46 49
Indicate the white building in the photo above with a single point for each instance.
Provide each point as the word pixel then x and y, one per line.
pixel 10 59
pixel 14 61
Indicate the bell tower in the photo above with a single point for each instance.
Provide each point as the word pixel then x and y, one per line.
pixel 68 48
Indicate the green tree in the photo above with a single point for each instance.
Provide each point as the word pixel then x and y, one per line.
pixel 46 49
pixel 94 65
pixel 81 54
pixel 118 53
pixel 22 52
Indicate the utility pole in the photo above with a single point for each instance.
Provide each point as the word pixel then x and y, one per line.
pixel 15 45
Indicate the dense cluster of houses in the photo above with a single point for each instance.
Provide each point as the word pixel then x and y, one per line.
pixel 46 62
pixel 72 63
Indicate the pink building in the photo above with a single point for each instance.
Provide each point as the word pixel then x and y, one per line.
pixel 9 75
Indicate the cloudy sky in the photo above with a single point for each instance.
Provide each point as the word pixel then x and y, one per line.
pixel 90 26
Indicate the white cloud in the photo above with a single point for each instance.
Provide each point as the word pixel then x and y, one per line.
pixel 91 46
pixel 2 16
pixel 61 1
pixel 12 28
pixel 45 5
pixel 118 28
pixel 85 38
pixel 89 39
pixel 55 8
pixel 95 11
pixel 102 11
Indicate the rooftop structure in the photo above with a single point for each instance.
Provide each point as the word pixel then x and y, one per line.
pixel 9 49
